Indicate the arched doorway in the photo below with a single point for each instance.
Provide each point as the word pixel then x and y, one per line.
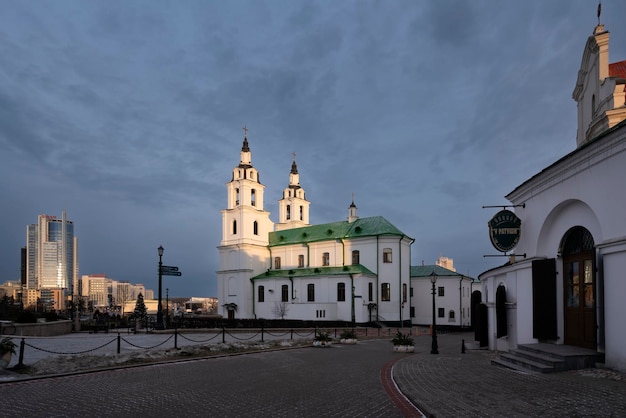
pixel 579 288
pixel 501 317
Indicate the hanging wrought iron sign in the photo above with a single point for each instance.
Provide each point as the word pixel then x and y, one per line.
pixel 504 230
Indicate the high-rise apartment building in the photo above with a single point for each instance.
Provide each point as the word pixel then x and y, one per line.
pixel 51 254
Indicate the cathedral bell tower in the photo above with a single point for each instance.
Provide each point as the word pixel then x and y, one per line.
pixel 245 231
pixel 293 208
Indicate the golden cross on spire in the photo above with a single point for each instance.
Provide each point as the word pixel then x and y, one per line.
pixel 245 131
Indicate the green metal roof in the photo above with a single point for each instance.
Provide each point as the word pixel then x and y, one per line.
pixel 362 227
pixel 425 271
pixel 316 271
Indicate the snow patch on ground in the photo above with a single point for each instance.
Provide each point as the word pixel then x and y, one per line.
pixel 82 362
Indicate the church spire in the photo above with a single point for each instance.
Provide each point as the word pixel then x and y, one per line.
pixel 599 27
pixel 294 177
pixel 293 208
pixel 245 147
pixel 245 160
pixel 352 216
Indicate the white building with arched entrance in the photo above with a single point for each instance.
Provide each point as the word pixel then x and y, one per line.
pixel 567 282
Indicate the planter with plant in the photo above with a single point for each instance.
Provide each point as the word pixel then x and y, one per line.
pixel 348 337
pixel 403 343
pixel 322 339
pixel 7 348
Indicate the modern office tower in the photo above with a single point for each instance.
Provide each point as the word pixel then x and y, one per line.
pixel 51 254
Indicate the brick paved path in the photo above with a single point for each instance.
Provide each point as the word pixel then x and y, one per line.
pixel 339 381
pixel 452 384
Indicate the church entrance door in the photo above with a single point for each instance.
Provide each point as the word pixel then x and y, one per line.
pixel 579 289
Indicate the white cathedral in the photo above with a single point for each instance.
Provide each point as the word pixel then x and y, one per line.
pixel 354 270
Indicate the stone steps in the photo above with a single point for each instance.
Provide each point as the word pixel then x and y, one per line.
pixel 548 358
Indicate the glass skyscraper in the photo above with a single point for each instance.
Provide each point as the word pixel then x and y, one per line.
pixel 51 253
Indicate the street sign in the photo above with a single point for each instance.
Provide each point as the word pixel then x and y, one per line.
pixel 171 273
pixel 169 268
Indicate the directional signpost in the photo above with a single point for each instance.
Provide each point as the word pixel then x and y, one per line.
pixel 170 271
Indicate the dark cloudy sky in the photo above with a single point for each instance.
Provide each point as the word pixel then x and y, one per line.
pixel 128 115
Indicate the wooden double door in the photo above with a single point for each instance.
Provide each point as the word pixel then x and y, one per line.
pixel 579 290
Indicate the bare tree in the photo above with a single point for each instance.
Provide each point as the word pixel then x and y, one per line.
pixel 280 309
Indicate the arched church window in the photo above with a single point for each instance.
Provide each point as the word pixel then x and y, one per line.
pixel 253 197
pixel 277 263
pixel 255 228
pixel 288 212
pixel 237 197
pixel 356 257
pixel 341 292
pixel 301 213
pixel 234 227
pixel 310 292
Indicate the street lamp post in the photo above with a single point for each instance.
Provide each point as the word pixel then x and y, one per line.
pixel 434 349
pixel 159 323
pixel 167 306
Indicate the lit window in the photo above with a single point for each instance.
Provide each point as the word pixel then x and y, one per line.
pixel 387 255
pixel 310 292
pixel 385 292
pixel 341 292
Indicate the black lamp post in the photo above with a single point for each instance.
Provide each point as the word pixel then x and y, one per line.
pixel 434 349
pixel 159 323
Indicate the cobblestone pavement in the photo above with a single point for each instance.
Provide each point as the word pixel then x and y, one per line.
pixel 452 384
pixel 338 381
